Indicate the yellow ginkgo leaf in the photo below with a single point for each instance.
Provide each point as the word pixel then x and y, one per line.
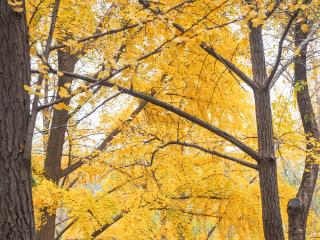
pixel 67 85
pixel 83 85
pixel 60 74
pixel 304 28
pixel 257 22
pixel 30 91
pixel 63 92
pixel 18 9
pixel 252 14
pixel 62 106
pixel 82 100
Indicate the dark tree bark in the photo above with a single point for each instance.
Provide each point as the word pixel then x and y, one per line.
pixel 272 221
pixel 16 210
pixel 271 215
pixel 52 164
pixel 298 207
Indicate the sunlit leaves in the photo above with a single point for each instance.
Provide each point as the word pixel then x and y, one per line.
pixel 32 91
pixel 62 106
pixel 16 5
pixel 163 190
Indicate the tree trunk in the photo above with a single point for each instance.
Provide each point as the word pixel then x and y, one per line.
pixel 52 165
pixel 16 210
pixel 271 215
pixel 298 207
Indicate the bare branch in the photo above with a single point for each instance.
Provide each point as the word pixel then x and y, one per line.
pixel 280 47
pixel 229 65
pixel 179 5
pixel 52 27
pixel 290 60
pixel 276 5
pixel 34 111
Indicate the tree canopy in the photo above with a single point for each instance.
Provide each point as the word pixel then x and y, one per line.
pixel 180 119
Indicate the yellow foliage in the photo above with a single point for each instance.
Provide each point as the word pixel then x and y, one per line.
pixel 62 106
pixel 150 188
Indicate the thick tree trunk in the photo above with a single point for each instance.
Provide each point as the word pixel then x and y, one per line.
pixel 52 165
pixel 298 208
pixel 16 210
pixel 271 215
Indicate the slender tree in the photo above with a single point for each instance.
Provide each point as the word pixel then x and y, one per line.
pixel 299 207
pixel 52 163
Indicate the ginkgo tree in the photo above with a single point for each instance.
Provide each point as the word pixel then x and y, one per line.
pixel 169 169
pixel 55 170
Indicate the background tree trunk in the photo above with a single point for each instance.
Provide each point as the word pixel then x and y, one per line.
pixel 52 164
pixel 16 210
pixel 298 208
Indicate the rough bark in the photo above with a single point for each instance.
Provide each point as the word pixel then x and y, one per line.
pixel 52 164
pixel 272 221
pixel 16 210
pixel 271 215
pixel 298 207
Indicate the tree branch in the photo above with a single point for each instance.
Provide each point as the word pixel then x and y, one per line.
pixel 106 226
pixel 242 146
pixel 122 29
pixel 98 35
pixel 211 231
pixel 105 142
pixel 276 5
pixel 213 152
pixel 34 111
pixel 280 47
pixel 290 60
pixel 186 212
pixel 208 49
pixel 66 229
pixel 229 65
